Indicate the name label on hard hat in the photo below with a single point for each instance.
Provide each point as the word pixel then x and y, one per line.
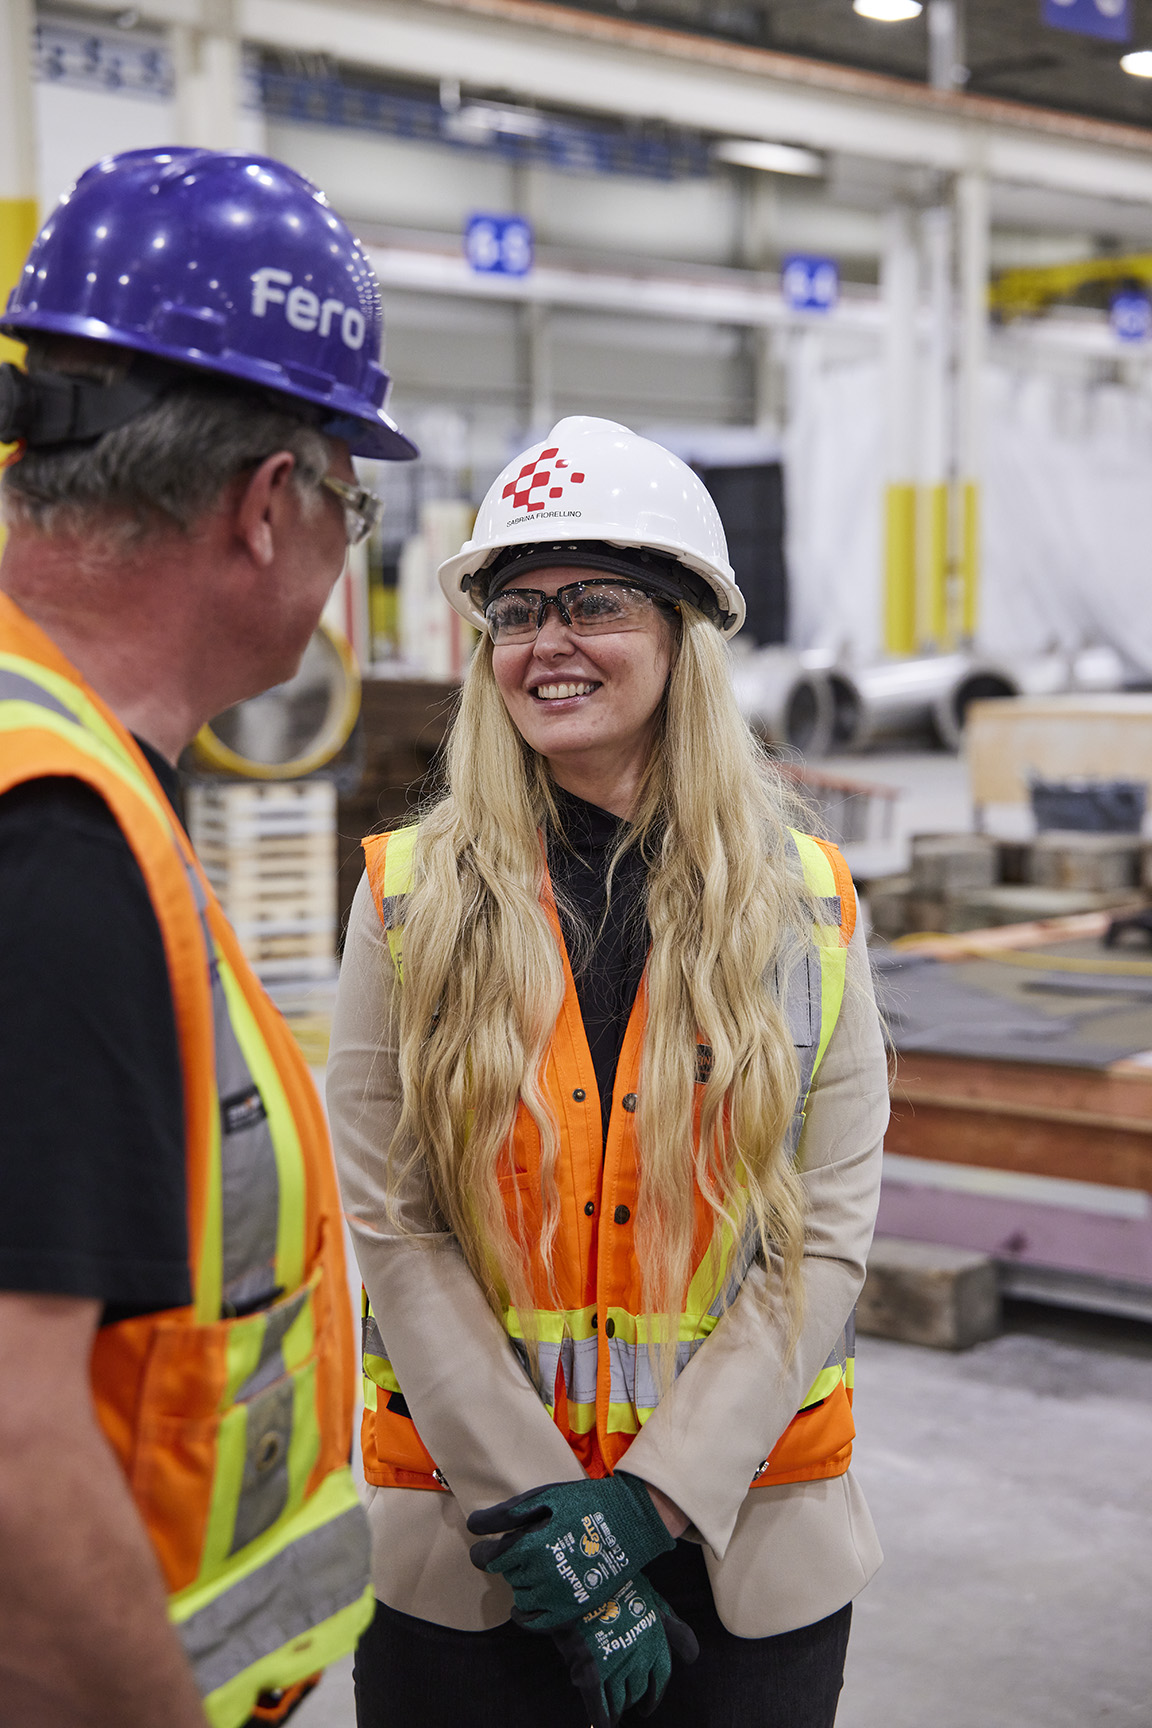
pixel 303 309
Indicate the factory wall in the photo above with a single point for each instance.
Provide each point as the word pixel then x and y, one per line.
pixel 1067 515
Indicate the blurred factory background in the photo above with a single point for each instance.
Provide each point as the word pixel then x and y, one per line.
pixel 882 272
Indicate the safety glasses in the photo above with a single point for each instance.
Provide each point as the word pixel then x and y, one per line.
pixel 594 608
pixel 362 509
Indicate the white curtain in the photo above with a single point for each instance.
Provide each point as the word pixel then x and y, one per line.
pixel 1067 513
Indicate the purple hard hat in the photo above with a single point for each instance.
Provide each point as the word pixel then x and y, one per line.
pixel 223 262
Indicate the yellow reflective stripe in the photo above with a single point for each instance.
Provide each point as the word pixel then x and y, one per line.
pixel 552 1326
pixel 626 1419
pixel 245 1344
pixel 209 1291
pixel 230 1706
pixel 819 876
pixel 24 716
pixel 581 1417
pixel 369 1393
pixel 645 1329
pixel 833 971
pixel 227 1480
pixel 304 1447
pixel 335 1495
pixel 380 1372
pixel 398 880
pixel 299 1340
pixel 850 1373
pixel 70 696
pixel 823 1386
pixel 290 1255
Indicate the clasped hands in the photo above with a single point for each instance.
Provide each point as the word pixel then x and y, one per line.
pixel 574 1554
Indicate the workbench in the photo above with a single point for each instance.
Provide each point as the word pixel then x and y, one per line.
pixel 1026 1132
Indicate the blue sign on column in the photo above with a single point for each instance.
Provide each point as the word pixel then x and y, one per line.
pixel 499 245
pixel 1111 19
pixel 1131 316
pixel 809 284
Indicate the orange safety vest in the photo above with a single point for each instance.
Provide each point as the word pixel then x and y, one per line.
pixel 233 1432
pixel 593 1342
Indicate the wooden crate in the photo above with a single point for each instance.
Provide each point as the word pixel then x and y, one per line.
pixel 269 851
pixel 1008 743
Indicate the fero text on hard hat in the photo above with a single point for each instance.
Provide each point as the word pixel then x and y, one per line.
pixel 303 309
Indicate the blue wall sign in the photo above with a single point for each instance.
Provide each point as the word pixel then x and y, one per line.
pixel 1131 316
pixel 499 245
pixel 1111 19
pixel 809 284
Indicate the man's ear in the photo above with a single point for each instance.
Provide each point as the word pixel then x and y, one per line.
pixel 260 509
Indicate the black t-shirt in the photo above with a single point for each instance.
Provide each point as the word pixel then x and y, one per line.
pixel 92 1184
pixel 607 953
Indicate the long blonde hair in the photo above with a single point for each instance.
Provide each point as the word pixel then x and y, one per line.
pixel 484 983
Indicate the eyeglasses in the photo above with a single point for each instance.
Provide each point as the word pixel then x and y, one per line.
pixel 593 608
pixel 362 509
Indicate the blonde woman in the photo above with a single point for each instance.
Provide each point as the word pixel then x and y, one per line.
pixel 608 1093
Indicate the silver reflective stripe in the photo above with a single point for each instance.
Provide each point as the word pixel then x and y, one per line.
pixel 829 905
pixel 371 1343
pixel 264 1485
pixel 14 688
pixel 270 1367
pixel 631 1379
pixel 249 1177
pixel 578 1359
pixel 306 1583
pixel 392 910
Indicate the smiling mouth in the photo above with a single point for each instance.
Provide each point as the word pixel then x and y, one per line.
pixel 561 692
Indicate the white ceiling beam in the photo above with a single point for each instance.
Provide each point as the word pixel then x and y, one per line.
pixel 588 71
pixel 608 66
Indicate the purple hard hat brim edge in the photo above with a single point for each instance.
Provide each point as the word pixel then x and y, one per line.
pixel 370 432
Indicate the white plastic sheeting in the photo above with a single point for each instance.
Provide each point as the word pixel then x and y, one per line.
pixel 1067 513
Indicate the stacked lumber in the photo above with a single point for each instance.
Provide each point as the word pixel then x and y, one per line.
pixel 269 850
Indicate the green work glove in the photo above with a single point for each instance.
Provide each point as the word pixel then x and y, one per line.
pixel 620 1656
pixel 567 1546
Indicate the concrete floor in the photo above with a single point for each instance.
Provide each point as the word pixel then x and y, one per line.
pixel 1012 1488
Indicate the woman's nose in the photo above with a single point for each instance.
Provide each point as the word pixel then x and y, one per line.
pixel 555 636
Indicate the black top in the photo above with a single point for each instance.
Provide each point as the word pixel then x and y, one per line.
pixel 607 952
pixel 92 1188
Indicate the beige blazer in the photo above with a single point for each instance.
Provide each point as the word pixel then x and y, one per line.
pixel 778 1557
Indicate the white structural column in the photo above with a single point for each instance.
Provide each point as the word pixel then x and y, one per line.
pixel 17 157
pixel 901 293
pixel 938 431
pixel 17 147
pixel 972 214
pixel 206 59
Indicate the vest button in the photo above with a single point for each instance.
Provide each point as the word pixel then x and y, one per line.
pixel 621 1215
pixel 629 1101
pixel 610 1328
pixel 579 1094
pixel 589 1208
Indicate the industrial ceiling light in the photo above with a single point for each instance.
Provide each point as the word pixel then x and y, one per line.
pixel 1138 63
pixel 888 11
pixel 771 158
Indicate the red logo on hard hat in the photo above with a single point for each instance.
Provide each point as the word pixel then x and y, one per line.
pixel 533 479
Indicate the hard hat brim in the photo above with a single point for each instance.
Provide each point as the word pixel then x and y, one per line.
pixel 367 430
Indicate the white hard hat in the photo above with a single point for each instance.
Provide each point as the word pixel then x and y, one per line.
pixel 591 480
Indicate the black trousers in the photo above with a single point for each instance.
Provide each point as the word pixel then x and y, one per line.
pixel 414 1674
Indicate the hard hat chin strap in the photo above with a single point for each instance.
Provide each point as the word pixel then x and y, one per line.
pixel 42 409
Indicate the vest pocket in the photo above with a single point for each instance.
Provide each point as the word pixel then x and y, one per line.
pixel 229 1436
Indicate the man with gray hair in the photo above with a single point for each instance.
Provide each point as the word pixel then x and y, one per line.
pixel 180 1537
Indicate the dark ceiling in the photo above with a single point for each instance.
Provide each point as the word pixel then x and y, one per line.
pixel 1009 52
